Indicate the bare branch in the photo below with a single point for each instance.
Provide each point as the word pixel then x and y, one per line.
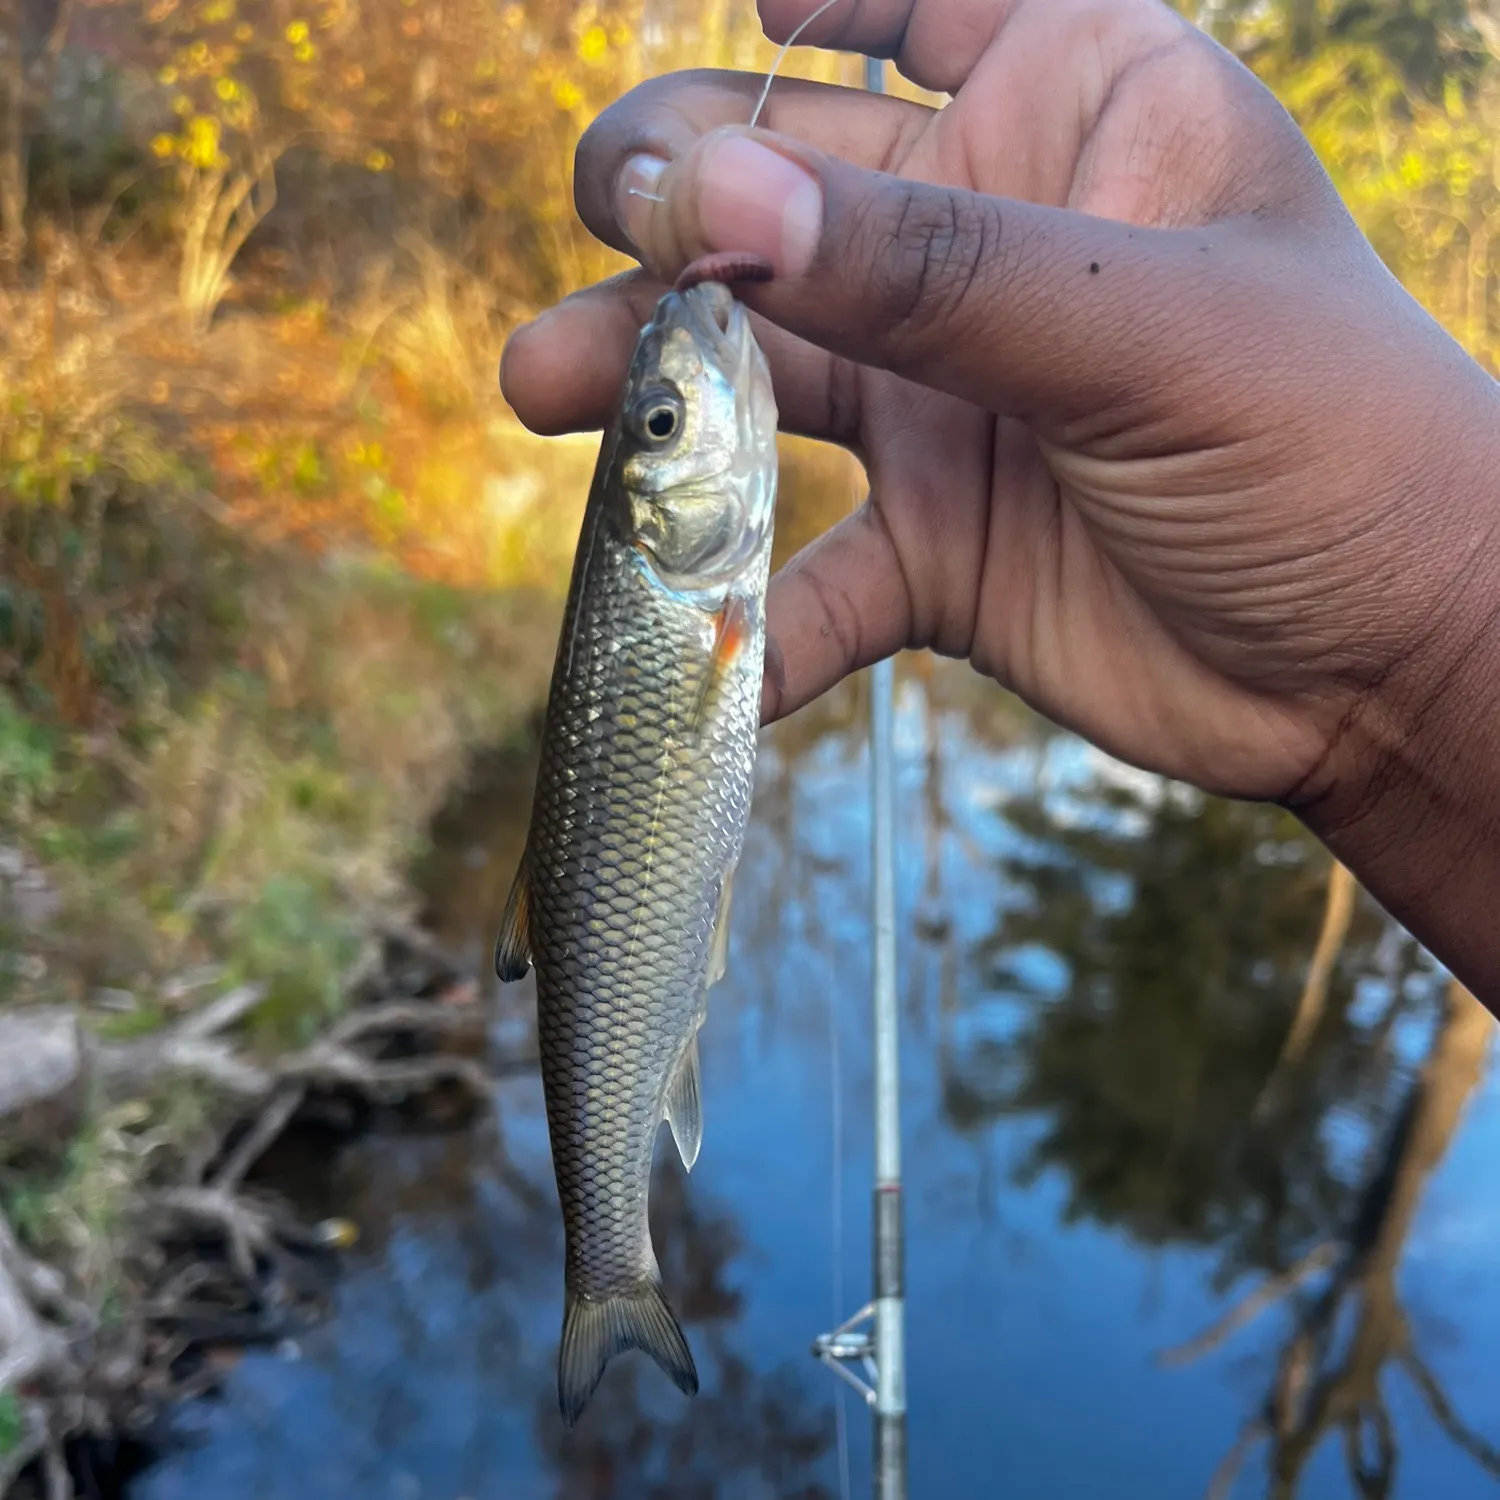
pixel 28 1346
pixel 1222 1484
pixel 246 1228
pixel 420 942
pixel 1269 1292
pixel 1338 912
pixel 228 1010
pixel 1484 1453
pixel 274 1118
pixel 44 1286
pixel 134 1067
pixel 401 1015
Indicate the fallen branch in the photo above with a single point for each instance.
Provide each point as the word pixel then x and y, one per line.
pixel 1269 1292
pixel 182 1300
pixel 258 1139
pixel 219 1015
pixel 248 1229
pixel 30 1346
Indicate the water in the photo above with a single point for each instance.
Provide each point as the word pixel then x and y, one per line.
pixel 1098 971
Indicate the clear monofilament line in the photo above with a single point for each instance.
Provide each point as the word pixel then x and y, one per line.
pixel 786 47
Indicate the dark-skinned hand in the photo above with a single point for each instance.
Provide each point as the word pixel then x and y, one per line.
pixel 1152 436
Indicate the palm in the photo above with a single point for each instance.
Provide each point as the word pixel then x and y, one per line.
pixel 1057 597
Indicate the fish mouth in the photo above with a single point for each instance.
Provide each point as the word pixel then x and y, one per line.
pixel 717 321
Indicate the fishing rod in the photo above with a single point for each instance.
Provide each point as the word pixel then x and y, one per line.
pixel 875 1337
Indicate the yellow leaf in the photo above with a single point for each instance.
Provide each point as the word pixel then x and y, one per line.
pixel 163 145
pixel 297 32
pixel 593 44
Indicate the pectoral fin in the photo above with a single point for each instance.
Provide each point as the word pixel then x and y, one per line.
pixel 685 1105
pixel 732 631
pixel 513 948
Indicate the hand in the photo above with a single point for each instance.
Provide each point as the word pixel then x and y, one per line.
pixel 1152 436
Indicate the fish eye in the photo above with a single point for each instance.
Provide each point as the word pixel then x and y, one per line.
pixel 658 417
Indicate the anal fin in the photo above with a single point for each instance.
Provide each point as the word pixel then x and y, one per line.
pixel 685 1104
pixel 513 947
pixel 595 1330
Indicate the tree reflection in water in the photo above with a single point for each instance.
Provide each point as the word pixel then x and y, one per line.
pixel 1226 997
pixel 1329 1377
pixel 748 1435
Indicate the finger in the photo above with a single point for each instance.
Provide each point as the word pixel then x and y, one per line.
pixel 663 119
pixel 839 605
pixel 935 43
pixel 563 371
pixel 905 569
pixel 1027 310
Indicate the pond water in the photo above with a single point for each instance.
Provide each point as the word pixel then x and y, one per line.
pixel 1098 973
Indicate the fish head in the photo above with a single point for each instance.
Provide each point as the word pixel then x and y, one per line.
pixel 698 441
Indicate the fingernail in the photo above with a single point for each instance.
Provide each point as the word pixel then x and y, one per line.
pixel 639 176
pixel 753 198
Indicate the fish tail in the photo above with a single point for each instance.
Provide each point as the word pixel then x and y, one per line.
pixel 596 1329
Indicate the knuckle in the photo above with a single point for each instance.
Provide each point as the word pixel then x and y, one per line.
pixel 934 255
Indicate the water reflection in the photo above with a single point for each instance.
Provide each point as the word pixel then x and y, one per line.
pixel 1110 1145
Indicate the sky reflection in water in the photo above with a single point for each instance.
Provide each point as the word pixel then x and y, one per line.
pixel 1098 972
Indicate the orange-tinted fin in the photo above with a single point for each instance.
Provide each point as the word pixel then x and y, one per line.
pixel 513 947
pixel 732 630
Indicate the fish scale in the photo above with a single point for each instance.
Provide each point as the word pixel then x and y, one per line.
pixel 624 925
pixel 642 799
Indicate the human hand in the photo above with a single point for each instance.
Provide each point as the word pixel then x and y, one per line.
pixel 1152 436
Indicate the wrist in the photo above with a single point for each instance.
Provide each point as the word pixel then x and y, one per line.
pixel 1408 796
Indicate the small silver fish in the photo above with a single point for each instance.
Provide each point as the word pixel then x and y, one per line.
pixel 648 755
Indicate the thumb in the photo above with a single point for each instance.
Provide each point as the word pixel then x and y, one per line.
pixel 1033 311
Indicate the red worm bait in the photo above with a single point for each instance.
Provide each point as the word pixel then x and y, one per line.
pixel 726 266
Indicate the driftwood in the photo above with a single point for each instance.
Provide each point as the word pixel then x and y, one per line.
pixel 207 1256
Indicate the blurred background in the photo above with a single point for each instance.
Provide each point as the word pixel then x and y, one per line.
pixel 1199 1144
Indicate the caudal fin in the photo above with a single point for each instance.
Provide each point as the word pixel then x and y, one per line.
pixel 595 1330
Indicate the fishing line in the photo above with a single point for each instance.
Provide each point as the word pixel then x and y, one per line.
pixel 786 47
pixel 765 92
pixel 836 1095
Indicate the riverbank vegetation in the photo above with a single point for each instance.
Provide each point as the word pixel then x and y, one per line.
pixel 276 561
